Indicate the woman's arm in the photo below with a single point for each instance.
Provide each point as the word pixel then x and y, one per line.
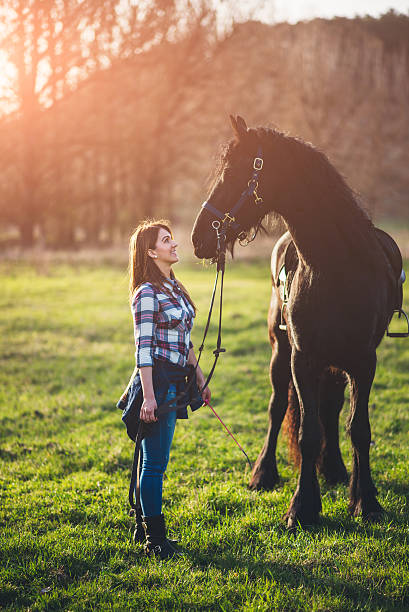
pixel 199 376
pixel 145 310
pixel 149 402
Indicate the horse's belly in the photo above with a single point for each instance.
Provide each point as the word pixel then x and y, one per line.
pixel 331 329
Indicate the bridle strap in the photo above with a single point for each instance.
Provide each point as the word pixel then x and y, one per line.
pixel 228 218
pixel 222 216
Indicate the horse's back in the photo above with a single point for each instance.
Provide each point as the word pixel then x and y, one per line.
pixel 391 250
pixel 394 257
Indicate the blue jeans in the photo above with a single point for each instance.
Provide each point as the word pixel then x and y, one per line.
pixel 155 456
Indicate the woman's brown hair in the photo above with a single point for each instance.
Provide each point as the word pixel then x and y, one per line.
pixel 142 268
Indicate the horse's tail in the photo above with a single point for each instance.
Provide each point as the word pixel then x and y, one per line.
pixel 292 424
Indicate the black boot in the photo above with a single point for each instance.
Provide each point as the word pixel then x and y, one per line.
pixel 139 532
pixel 157 543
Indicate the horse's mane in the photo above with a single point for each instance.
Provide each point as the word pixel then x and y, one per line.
pixel 221 160
pixel 315 169
pixel 327 194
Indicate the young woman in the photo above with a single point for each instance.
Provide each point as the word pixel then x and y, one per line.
pixel 163 315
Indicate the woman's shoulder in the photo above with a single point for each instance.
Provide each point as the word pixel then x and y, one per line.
pixel 146 290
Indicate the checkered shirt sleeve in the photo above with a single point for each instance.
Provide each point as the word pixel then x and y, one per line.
pixel 145 310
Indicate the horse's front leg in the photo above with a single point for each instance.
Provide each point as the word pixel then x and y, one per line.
pixel 362 489
pixel 330 463
pixel 305 505
pixel 265 473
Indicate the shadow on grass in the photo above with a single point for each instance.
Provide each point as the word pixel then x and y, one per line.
pixel 70 570
pixel 398 488
pixel 294 576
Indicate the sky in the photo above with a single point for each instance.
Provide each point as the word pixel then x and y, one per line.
pixel 296 10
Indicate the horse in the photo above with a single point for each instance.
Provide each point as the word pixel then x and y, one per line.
pixel 326 318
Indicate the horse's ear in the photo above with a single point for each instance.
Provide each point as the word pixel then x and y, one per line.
pixel 234 125
pixel 239 126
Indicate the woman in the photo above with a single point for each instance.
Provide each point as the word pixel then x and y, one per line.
pixel 163 315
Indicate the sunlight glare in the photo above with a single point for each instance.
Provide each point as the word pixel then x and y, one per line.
pixel 7 78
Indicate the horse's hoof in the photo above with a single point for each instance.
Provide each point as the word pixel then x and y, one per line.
pixel 263 482
pixel 373 517
pixel 295 520
pixel 333 470
pixel 370 514
pixel 336 477
pixel 339 480
pixel 291 524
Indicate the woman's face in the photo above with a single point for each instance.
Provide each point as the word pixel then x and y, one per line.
pixel 165 248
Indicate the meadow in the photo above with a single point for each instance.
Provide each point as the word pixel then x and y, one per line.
pixel 65 536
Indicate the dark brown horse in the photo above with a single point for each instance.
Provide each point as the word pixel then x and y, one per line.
pixel 340 291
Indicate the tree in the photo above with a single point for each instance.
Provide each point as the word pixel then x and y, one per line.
pixel 58 48
pixel 45 41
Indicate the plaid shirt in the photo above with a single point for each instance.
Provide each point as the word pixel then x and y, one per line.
pixel 162 325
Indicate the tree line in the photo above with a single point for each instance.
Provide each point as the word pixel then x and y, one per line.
pixel 111 116
pixel 73 162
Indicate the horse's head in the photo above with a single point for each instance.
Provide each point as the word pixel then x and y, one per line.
pixel 239 165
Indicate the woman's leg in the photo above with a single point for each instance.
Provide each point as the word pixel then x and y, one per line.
pixel 155 450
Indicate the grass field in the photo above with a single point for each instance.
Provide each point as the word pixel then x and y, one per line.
pixel 65 537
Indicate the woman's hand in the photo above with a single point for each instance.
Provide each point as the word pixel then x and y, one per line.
pixel 206 395
pixel 200 379
pixel 148 410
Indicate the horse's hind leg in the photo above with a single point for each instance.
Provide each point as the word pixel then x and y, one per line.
pixel 265 473
pixel 330 463
pixel 362 490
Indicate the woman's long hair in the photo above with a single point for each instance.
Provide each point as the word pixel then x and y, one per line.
pixel 142 268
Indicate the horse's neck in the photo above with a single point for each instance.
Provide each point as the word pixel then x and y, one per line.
pixel 325 241
pixel 319 243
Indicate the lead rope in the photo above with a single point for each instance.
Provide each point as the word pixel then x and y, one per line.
pixel 169 406
pixel 230 434
pixel 221 261
pixel 218 349
pixel 221 248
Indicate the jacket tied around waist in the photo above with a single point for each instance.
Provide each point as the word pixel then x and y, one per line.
pixel 164 373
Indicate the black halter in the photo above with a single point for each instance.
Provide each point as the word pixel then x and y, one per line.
pixel 228 219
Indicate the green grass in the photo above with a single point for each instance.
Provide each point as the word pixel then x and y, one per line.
pixel 66 353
